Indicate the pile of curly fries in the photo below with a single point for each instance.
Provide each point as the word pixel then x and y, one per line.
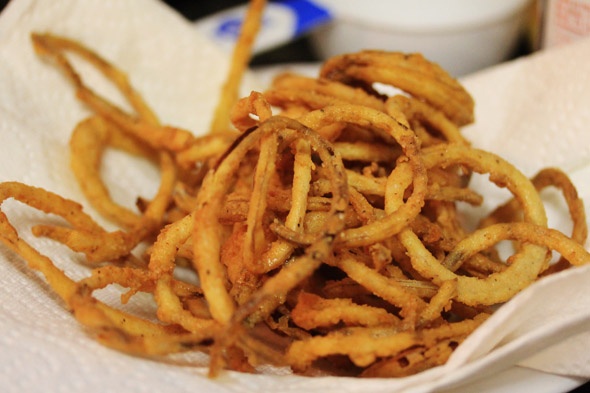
pixel 321 218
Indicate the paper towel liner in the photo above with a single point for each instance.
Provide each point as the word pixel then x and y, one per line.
pixel 531 111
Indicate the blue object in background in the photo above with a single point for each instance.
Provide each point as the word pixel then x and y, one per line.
pixel 283 21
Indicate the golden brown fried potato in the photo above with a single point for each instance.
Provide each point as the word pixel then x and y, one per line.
pixel 322 233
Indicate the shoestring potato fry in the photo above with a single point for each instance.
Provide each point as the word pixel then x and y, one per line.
pixel 324 224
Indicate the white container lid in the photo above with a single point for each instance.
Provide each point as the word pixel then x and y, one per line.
pixel 423 15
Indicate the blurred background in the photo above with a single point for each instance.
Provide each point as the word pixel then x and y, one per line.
pixel 463 36
pixel 299 50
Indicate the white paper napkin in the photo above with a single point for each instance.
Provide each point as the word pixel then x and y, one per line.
pixel 532 111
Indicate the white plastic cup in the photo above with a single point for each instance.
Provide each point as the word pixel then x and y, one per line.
pixel 463 36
